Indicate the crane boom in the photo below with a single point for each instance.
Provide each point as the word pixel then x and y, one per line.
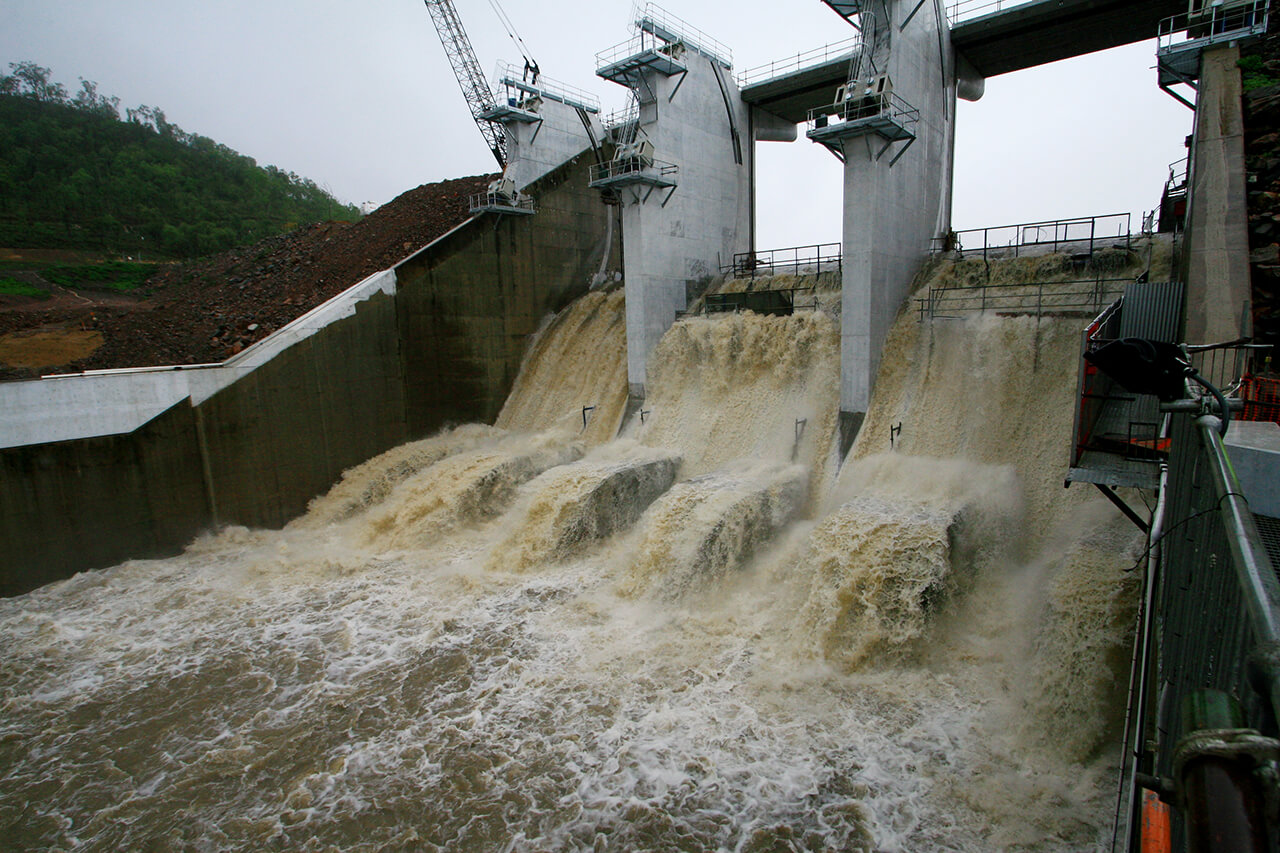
pixel 466 68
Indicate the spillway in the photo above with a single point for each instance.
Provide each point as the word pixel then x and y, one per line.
pixel 700 635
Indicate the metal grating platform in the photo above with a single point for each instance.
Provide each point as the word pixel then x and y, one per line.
pixel 1269 530
pixel 1108 469
pixel 509 112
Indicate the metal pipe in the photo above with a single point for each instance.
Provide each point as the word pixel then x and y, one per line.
pixel 1143 645
pixel 1224 801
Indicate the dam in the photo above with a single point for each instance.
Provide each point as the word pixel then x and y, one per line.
pixel 547 539
pixel 696 635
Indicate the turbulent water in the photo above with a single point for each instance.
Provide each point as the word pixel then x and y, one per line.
pixel 697 636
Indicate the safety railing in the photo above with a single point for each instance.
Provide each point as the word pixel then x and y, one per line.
pixel 654 18
pixel 639 168
pixel 1212 24
pixel 622 124
pixel 1032 298
pixel 516 79
pixel 498 202
pixel 778 302
pixel 1173 199
pixel 1210 627
pixel 891 107
pixel 638 44
pixel 1094 385
pixel 796 260
pixel 1225 365
pixel 968 9
pixel 800 62
pixel 1086 231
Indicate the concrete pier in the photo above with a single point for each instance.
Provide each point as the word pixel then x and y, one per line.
pixel 675 237
pixel 1217 248
pixel 893 208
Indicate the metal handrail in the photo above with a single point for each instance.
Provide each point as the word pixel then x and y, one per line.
pixel 890 106
pixel 619 118
pixel 966 10
pixel 641 42
pixel 809 258
pixel 736 302
pixel 1213 614
pixel 632 166
pixel 513 77
pixel 799 62
pixel 1060 229
pixel 487 200
pixel 1217 23
pixel 692 37
pixel 1048 296
pixel 1254 573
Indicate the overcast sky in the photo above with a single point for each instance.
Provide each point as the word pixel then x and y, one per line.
pixel 358 96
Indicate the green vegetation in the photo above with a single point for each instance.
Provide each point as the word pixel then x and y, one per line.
pixel 1254 74
pixel 13 287
pixel 115 275
pixel 74 176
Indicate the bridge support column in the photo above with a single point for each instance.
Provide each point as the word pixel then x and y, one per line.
pixel 1217 250
pixel 694 213
pixel 892 212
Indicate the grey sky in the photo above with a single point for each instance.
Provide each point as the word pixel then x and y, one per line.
pixel 358 96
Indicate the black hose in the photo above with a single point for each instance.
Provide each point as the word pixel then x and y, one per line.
pixel 1225 420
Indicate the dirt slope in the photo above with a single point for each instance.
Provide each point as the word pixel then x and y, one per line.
pixel 210 309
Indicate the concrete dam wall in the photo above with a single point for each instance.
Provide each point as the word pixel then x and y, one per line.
pixel 441 344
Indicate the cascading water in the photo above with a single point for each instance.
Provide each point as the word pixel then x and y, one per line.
pixel 591 333
pixel 694 637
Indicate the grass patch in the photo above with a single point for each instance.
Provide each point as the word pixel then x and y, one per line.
pixel 23 265
pixel 13 287
pixel 122 276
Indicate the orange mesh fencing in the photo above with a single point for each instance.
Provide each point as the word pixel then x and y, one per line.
pixel 1261 399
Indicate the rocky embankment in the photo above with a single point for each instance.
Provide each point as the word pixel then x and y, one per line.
pixel 1260 65
pixel 210 309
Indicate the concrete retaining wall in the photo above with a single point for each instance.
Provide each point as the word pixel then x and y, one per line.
pixel 437 341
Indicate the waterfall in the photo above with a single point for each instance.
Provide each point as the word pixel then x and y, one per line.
pixel 691 631
pixel 578 361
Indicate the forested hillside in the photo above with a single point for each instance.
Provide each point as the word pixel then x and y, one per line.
pixel 74 175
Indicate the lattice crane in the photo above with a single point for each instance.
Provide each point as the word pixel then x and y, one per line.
pixel 467 69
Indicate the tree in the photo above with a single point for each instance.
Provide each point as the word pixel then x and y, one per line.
pixel 73 175
pixel 88 100
pixel 32 81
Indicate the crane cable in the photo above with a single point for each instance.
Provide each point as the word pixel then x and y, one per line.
pixel 530 65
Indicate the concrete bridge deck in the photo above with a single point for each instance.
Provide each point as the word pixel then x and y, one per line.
pixel 1005 39
pixel 1044 31
pixel 792 95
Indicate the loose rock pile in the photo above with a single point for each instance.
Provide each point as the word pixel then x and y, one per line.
pixel 208 310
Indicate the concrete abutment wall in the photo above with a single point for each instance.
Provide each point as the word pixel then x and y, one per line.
pixel 442 347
